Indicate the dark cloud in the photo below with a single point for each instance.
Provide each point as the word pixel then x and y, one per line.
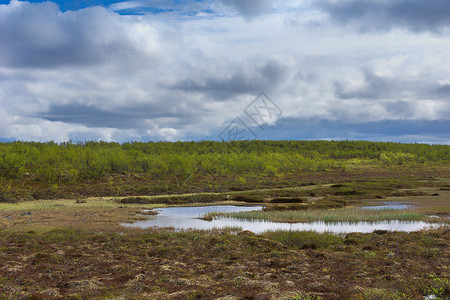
pixel 234 80
pixel 219 88
pixel 444 90
pixel 405 130
pixel 273 72
pixel 91 116
pixel 39 35
pixel 370 15
pixel 401 109
pixel 376 87
pixel 129 117
pixel 249 8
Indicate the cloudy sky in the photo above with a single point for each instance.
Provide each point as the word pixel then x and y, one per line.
pixel 193 69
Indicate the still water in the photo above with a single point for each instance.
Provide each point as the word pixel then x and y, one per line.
pixel 389 205
pixel 186 218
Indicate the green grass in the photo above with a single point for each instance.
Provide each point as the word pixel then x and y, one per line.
pixel 328 215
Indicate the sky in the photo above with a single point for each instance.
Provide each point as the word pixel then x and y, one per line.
pixel 153 70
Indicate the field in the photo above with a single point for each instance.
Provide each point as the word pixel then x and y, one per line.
pixel 61 207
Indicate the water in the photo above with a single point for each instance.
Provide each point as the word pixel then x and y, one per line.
pixel 199 211
pixel 186 218
pixel 389 205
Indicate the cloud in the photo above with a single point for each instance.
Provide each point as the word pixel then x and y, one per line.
pixel 249 8
pixel 359 91
pixel 374 15
pixel 443 90
pixel 96 74
pixel 224 79
pixel 40 36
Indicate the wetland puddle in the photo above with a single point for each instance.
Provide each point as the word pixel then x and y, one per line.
pixel 186 218
pixel 389 205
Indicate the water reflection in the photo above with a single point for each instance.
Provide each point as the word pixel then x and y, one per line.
pixel 389 205
pixel 186 218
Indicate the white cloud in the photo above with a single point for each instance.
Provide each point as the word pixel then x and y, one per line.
pixel 95 74
pixel 39 35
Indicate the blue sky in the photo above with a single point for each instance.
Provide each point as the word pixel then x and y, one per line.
pixel 72 5
pixel 187 70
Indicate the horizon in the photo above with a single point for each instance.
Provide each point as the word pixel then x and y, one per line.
pixel 212 70
pixel 82 143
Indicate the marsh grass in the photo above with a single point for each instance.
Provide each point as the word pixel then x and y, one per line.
pixel 436 206
pixel 328 215
pixel 305 239
pixel 242 265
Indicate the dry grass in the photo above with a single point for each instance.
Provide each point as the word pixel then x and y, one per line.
pixel 77 264
pixel 43 215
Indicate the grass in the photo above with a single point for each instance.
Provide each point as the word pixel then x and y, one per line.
pixel 59 248
pixel 44 215
pixel 63 249
pixel 426 202
pixel 326 215
pixel 121 184
pixel 305 239
pixel 83 264
pixel 304 203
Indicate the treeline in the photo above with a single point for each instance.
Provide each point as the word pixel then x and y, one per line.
pixel 67 162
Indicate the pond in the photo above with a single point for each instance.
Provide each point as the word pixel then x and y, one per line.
pixel 186 218
pixel 389 205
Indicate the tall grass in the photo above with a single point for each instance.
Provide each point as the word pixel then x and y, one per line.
pixel 328 215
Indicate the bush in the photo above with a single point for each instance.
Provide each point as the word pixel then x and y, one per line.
pixel 288 200
pixel 396 158
pixel 6 196
pixel 135 200
pixel 249 198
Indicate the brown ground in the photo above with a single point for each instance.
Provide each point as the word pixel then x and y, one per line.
pixel 59 249
pixel 101 219
pixel 73 264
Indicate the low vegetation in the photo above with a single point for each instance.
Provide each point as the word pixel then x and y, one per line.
pixel 30 171
pixel 325 215
pixel 74 264
pixel 61 206
pixel 68 162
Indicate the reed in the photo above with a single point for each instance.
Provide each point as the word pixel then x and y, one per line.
pixel 327 215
